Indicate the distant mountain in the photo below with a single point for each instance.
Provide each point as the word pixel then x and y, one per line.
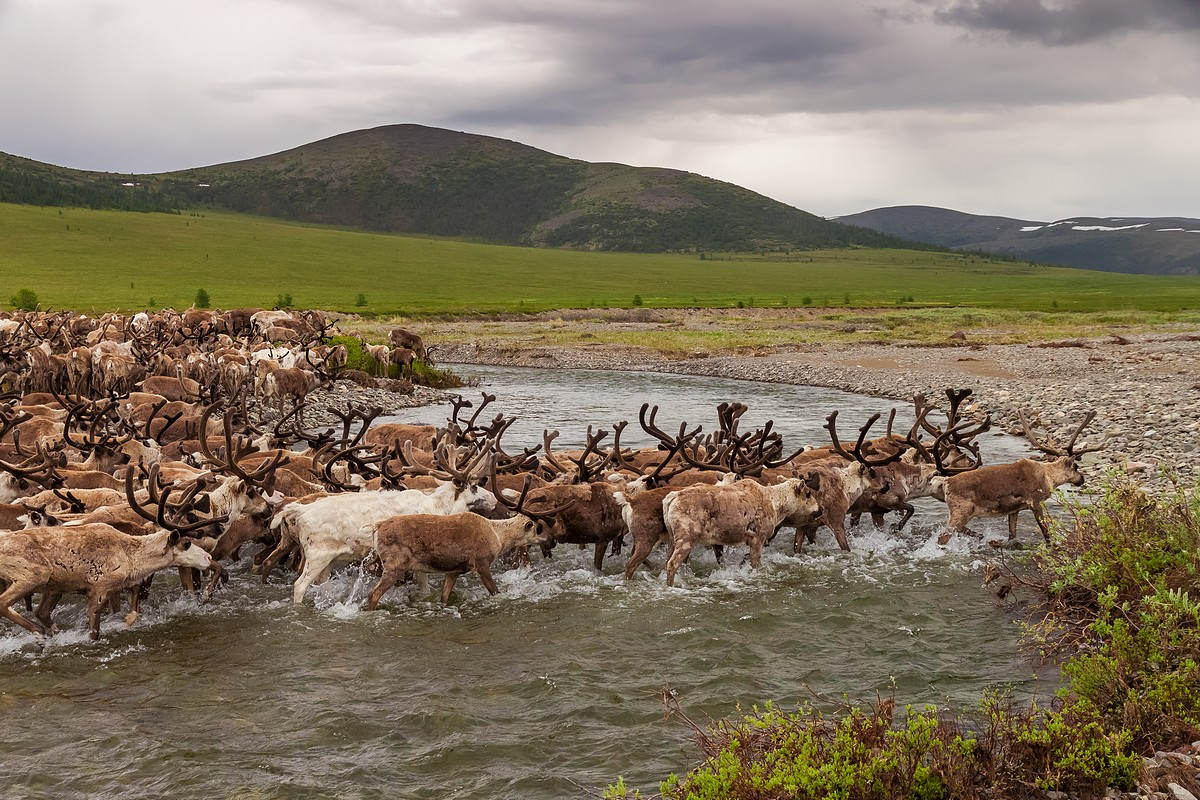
pixel 1151 245
pixel 420 180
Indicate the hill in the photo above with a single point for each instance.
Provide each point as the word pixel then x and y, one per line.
pixel 1151 245
pixel 420 180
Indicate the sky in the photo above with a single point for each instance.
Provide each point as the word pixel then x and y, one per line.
pixel 1036 109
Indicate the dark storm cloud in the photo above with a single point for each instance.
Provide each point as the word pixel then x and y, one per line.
pixel 619 61
pixel 1072 22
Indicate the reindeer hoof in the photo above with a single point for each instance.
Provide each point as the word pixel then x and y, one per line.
pixel 945 538
pixel 131 618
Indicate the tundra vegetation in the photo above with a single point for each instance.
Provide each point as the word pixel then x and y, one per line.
pixel 251 261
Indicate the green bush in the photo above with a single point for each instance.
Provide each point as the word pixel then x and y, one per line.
pixel 202 299
pixel 1119 580
pixel 24 300
pixel 422 373
pixel 865 755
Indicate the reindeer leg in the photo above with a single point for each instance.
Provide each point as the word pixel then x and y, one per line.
pixel 642 546
pixel 598 559
pixel 187 579
pixel 45 609
pixel 1012 524
pixel 312 569
pixel 484 571
pixel 907 511
pixel 386 581
pixel 837 524
pixel 95 603
pixel 756 549
pixel 1039 513
pixel 448 587
pixel 11 595
pixel 135 596
pixel 218 572
pixel 718 553
pixel 678 556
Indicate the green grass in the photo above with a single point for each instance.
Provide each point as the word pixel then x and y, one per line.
pixel 104 260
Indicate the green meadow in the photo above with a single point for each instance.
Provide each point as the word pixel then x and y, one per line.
pixel 84 260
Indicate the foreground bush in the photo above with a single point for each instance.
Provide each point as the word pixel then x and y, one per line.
pixel 1113 598
pixel 1120 587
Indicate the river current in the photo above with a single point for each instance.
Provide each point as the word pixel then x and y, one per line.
pixel 549 689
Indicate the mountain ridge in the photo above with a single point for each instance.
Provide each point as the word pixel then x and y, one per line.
pixel 1139 245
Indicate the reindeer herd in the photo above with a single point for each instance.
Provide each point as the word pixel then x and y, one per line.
pixel 129 445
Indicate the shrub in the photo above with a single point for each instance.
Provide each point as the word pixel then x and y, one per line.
pixel 202 300
pixel 283 300
pixel 24 300
pixel 422 373
pixel 361 300
pixel 806 301
pixel 637 299
pixel 1117 583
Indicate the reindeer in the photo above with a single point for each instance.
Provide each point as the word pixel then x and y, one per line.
pixel 1008 489
pixel 844 477
pixel 741 513
pixel 332 527
pixel 453 544
pixel 381 355
pixel 95 558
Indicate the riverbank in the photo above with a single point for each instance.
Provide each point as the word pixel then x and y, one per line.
pixel 1143 388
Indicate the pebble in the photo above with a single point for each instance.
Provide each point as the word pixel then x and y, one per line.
pixel 1179 792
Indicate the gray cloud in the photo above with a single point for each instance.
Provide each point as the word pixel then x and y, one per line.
pixel 1072 22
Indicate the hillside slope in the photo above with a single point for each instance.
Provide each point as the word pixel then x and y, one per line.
pixel 1158 245
pixel 420 180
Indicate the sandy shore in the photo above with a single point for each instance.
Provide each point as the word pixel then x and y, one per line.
pixel 1144 388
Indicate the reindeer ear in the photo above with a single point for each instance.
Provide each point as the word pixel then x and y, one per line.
pixel 173 539
pixel 813 482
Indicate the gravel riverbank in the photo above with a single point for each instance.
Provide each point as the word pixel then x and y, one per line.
pixel 1145 389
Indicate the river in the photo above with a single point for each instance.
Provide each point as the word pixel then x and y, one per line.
pixel 549 689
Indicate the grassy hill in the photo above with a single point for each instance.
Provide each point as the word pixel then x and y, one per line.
pixel 84 259
pixel 415 179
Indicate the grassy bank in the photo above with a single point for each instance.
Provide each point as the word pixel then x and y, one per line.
pixel 104 260
pixel 681 332
pixel 1114 595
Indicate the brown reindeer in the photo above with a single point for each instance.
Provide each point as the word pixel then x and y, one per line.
pixel 1009 489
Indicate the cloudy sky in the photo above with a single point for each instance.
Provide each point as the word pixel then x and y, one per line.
pixel 1039 109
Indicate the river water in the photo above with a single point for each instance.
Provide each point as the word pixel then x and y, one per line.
pixel 545 691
